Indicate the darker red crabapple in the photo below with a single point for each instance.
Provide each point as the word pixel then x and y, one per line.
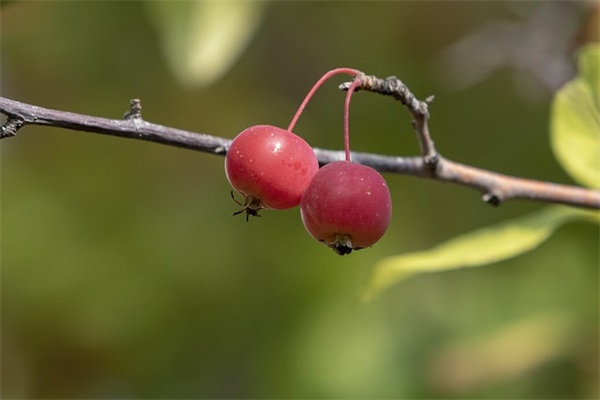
pixel 347 206
pixel 270 167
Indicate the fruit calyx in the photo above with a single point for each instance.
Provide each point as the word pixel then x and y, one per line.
pixel 342 244
pixel 251 206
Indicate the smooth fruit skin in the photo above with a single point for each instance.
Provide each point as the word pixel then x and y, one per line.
pixel 270 166
pixel 347 206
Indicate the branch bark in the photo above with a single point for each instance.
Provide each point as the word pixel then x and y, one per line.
pixel 496 187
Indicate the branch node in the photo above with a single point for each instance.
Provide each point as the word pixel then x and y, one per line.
pixel 431 160
pixel 135 110
pixel 492 199
pixel 220 150
pixel 345 86
pixel 10 128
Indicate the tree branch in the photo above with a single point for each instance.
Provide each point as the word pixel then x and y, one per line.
pixel 496 187
pixel 133 126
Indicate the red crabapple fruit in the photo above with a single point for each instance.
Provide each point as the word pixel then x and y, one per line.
pixel 347 206
pixel 270 167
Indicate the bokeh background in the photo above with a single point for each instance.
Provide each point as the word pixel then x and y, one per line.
pixel 125 276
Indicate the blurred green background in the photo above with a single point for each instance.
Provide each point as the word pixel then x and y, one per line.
pixel 124 275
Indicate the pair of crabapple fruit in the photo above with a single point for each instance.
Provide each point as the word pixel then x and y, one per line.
pixel 345 205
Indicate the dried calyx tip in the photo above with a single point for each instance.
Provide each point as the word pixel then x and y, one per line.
pixel 342 245
pixel 341 249
pixel 250 206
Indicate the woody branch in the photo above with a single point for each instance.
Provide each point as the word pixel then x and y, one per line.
pixel 495 187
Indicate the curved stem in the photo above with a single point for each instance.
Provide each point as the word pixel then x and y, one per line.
pixel 316 86
pixel 353 86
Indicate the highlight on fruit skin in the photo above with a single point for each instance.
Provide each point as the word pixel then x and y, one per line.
pixel 269 167
pixel 347 206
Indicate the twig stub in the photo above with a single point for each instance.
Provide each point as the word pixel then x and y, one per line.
pixel 135 109
pixel 11 126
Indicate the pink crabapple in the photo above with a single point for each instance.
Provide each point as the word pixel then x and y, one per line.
pixel 347 206
pixel 270 167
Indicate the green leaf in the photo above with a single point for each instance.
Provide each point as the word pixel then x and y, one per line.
pixel 511 351
pixel 202 39
pixel 575 121
pixel 483 246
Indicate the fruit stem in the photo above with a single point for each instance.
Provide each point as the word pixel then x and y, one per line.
pixel 317 85
pixel 347 118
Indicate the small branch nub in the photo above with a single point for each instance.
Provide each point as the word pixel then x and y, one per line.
pixel 492 199
pixel 10 128
pixel 135 109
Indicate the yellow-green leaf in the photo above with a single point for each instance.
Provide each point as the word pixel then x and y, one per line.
pixel 575 121
pixel 202 39
pixel 483 246
pixel 512 351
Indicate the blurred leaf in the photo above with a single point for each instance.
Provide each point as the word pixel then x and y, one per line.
pixel 483 246
pixel 202 39
pixel 510 352
pixel 575 121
